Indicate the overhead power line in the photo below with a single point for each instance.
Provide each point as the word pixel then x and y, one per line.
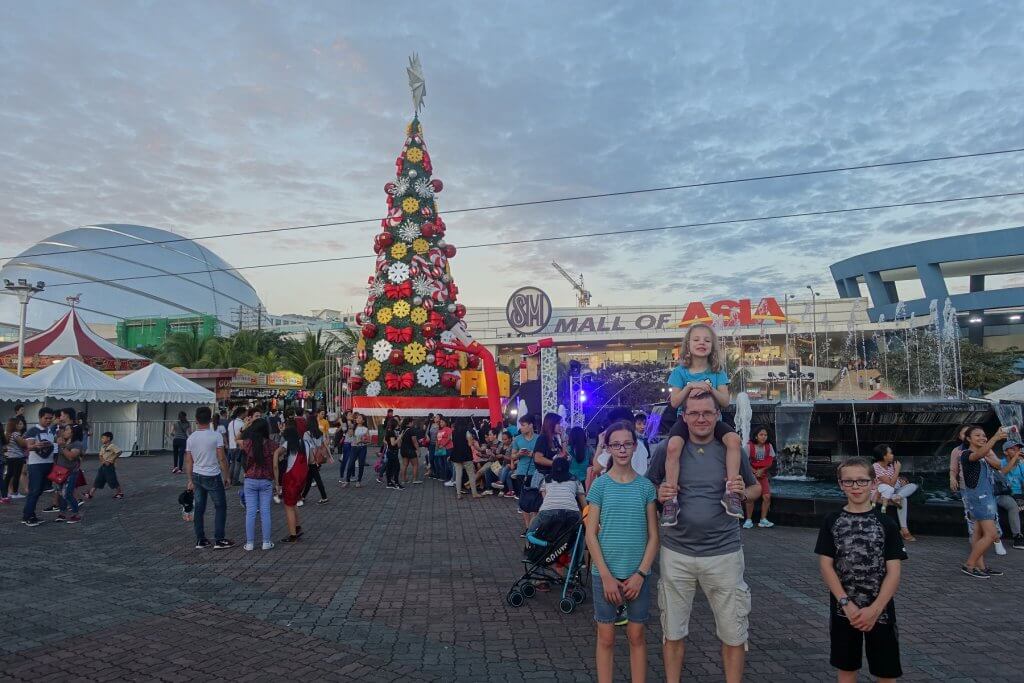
pixel 556 200
pixel 555 238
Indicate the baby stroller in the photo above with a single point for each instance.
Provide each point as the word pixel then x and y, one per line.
pixel 543 549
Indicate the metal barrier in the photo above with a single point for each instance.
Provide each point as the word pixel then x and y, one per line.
pixel 135 437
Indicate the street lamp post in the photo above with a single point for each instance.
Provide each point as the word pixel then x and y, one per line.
pixel 24 290
pixel 814 335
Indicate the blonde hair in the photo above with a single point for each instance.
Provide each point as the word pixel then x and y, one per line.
pixel 714 358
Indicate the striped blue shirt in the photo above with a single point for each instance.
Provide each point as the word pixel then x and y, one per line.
pixel 623 534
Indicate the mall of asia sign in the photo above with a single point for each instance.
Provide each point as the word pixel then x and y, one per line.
pixel 529 311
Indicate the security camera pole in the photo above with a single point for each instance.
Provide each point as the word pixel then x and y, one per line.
pixel 24 291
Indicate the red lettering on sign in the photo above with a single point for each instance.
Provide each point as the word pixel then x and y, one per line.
pixel 695 313
pixel 733 312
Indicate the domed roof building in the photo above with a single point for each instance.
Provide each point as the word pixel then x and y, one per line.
pixel 175 276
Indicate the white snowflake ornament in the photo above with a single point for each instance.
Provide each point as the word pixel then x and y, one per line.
pixel 382 350
pixel 409 231
pixel 424 188
pixel 398 272
pixel 447 337
pixel 427 376
pixel 401 186
pixel 375 288
pixel 421 285
pixel 373 389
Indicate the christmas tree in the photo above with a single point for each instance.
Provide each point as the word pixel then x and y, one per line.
pixel 412 298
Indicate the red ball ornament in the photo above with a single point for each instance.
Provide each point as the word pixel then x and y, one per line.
pixel 472 362
pixel 428 229
pixel 449 250
pixel 359 318
pixel 390 188
pixel 460 311
pixel 396 357
pixel 386 239
pixel 354 383
pixel 435 272
pixel 449 380
pixel 362 355
pixel 437 184
pixel 428 330
pixel 369 330
pixel 428 304
pixel 427 211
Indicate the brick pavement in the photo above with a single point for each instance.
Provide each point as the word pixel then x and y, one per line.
pixel 409 586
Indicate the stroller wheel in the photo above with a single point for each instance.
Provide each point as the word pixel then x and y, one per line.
pixel 579 596
pixel 566 605
pixel 528 590
pixel 515 598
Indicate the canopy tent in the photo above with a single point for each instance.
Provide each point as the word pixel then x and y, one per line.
pixel 879 396
pixel 73 380
pixel 157 384
pixel 70 337
pixel 13 388
pixel 1011 392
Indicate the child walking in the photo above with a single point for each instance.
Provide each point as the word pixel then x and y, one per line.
pixel 700 371
pixel 622 537
pixel 860 553
pixel 70 456
pixel 106 475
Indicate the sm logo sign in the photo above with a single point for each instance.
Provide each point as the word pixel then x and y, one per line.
pixel 739 312
pixel 528 310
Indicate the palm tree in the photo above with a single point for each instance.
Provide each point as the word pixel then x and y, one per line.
pixel 308 355
pixel 185 349
pixel 267 362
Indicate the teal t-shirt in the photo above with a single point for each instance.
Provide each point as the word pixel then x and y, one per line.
pixel 623 534
pixel 523 465
pixel 680 377
pixel 579 469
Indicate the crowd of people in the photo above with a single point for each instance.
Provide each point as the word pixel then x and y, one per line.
pixel 674 508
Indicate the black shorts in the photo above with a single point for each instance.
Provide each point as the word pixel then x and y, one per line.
pixel 680 429
pixel 105 476
pixel 881 644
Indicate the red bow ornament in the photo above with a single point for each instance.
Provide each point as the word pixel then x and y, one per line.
pixel 397 382
pixel 447 360
pixel 398 291
pixel 398 335
pixel 437 320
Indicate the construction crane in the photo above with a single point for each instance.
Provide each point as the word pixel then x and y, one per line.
pixel 582 293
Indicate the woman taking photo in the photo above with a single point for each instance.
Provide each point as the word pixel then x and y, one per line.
pixel 976 463
pixel 891 487
pixel 179 435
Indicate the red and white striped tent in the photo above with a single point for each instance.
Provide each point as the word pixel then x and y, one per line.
pixel 70 337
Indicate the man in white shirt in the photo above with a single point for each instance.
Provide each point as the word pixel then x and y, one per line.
pixel 207 470
pixel 235 428
pixel 40 462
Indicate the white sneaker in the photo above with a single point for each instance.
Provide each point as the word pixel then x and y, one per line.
pixel 16 496
pixel 1000 548
pixel 268 545
pixel 765 524
pixel 449 483
pixel 300 503
pixel 277 499
pixel 488 492
pixel 749 524
pixel 248 546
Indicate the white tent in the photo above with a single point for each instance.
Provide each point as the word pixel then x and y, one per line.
pixel 13 388
pixel 73 380
pixel 157 384
pixel 1011 392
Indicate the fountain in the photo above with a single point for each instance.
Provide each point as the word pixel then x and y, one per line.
pixel 792 434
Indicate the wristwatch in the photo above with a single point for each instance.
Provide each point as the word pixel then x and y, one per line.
pixel 642 573
pixel 844 601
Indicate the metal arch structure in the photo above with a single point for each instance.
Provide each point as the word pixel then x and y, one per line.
pixel 575 400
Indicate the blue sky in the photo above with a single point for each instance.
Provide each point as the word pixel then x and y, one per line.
pixel 204 118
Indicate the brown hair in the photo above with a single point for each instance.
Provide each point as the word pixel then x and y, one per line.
pixel 855 461
pixel 714 358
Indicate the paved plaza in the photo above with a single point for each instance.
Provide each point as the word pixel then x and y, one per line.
pixel 410 586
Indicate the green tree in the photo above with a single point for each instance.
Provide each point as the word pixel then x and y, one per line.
pixel 308 355
pixel 271 361
pixel 185 349
pixel 986 370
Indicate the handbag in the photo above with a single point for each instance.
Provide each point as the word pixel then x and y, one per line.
pixel 58 474
pixel 320 454
pixel 529 499
pixel 80 479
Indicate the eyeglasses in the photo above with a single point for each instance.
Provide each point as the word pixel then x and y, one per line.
pixel 621 446
pixel 850 483
pixel 703 414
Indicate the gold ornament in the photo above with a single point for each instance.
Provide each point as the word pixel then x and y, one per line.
pixel 420 245
pixel 384 315
pixel 399 250
pixel 400 309
pixel 410 205
pixel 414 154
pixel 418 316
pixel 415 353
pixel 371 370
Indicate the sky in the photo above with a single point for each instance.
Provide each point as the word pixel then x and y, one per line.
pixel 205 118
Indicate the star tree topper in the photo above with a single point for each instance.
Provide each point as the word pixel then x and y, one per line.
pixel 416 82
